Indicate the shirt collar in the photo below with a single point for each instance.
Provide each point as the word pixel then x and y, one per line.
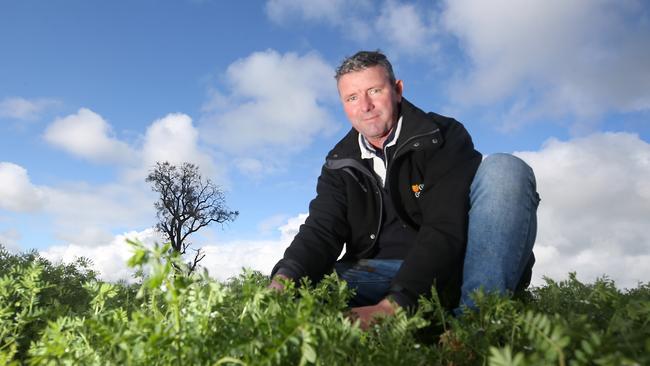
pixel 368 151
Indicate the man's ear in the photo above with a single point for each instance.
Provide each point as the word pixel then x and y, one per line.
pixel 399 88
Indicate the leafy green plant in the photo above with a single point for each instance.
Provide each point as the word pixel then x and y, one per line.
pixel 174 319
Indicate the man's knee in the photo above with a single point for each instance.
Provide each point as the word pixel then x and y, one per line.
pixel 503 165
pixel 505 174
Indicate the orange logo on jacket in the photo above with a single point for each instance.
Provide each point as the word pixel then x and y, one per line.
pixel 417 189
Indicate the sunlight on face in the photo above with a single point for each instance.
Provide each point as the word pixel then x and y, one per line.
pixel 370 102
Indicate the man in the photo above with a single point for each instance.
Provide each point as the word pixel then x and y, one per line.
pixel 397 191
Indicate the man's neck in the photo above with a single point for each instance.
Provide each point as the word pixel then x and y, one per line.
pixel 379 144
pixel 381 141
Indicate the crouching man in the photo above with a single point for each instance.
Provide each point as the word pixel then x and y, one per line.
pixel 414 204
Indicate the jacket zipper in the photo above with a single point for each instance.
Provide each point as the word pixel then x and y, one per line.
pixel 397 149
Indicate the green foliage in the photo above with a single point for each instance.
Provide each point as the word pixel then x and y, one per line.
pixel 175 319
pixel 34 291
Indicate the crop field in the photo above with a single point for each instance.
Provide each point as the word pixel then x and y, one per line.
pixel 61 314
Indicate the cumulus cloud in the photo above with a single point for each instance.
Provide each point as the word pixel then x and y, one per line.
pixel 405 28
pixel 174 138
pixel 227 260
pixel 108 259
pixel 275 104
pixel 290 229
pixel 17 193
pixel 330 11
pixel 595 207
pixel 222 261
pixel 87 214
pixel 535 59
pixel 397 26
pixel 24 109
pixel 550 58
pixel 81 213
pixel 171 138
pixel 252 167
pixel 271 223
pixel 87 135
pixel 9 240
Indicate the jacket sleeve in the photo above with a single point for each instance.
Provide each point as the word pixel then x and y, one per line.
pixel 320 239
pixel 438 252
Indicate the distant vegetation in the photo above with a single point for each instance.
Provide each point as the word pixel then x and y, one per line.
pixel 53 314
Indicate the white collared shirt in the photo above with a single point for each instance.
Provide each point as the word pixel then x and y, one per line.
pixel 368 152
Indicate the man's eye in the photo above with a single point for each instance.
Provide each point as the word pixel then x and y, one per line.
pixel 352 98
pixel 374 91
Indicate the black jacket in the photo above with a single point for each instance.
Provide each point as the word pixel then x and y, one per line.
pixel 428 178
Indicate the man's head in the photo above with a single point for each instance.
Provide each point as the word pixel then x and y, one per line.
pixel 370 94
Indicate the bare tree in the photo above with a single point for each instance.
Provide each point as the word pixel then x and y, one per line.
pixel 187 203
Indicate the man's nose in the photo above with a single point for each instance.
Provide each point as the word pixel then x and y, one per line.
pixel 366 104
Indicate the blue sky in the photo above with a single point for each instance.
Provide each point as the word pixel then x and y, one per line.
pixel 92 93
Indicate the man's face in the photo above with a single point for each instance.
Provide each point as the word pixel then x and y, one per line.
pixel 371 101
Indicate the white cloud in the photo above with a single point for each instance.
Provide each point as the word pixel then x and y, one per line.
pixel 271 223
pixel 86 214
pixel 227 260
pixel 251 167
pixel 171 138
pixel 17 193
pixel 24 109
pixel 397 26
pixel 9 239
pixel 87 135
pixel 538 58
pixel 81 213
pixel 553 57
pixel 109 259
pixel 595 207
pixel 405 29
pixel 330 11
pixel 174 138
pixel 290 229
pixel 223 261
pixel 275 104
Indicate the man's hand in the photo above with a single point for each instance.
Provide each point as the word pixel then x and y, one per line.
pixel 367 315
pixel 276 284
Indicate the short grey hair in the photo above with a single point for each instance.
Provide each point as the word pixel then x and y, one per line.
pixel 363 60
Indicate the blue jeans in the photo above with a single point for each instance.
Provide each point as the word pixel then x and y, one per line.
pixel 370 278
pixel 501 234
